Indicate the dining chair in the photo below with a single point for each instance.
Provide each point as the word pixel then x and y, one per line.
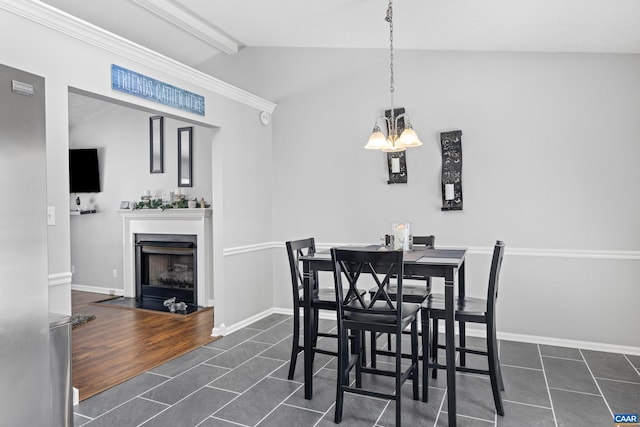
pixel 323 299
pixel 377 314
pixel 473 310
pixel 411 292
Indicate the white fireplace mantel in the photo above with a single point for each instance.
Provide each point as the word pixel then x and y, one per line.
pixel 170 221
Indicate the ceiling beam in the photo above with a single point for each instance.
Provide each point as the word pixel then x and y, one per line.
pixel 175 15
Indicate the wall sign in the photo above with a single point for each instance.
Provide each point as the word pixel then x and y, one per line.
pixel 149 88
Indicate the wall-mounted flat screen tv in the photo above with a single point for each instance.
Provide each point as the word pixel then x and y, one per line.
pixel 84 174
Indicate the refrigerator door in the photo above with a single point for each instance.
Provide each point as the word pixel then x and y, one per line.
pixel 24 318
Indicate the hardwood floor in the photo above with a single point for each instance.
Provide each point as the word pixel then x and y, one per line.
pixel 121 343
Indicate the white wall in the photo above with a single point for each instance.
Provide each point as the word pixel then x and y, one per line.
pixel 73 57
pixel 121 135
pixel 550 146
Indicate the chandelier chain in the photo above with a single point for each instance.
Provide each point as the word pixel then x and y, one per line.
pixel 389 19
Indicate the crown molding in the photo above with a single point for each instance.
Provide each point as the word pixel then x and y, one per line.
pixel 178 17
pixel 71 26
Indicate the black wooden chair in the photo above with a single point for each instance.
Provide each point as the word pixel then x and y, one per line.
pixel 324 299
pixel 474 310
pixel 380 314
pixel 415 293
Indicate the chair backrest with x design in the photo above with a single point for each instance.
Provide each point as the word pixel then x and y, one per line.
pixel 384 267
pixel 295 250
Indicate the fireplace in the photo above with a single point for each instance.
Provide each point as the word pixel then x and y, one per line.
pixel 165 267
pixel 160 228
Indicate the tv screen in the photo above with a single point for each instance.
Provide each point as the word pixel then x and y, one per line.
pixel 84 175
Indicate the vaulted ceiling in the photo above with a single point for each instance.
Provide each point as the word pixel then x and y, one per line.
pixel 192 31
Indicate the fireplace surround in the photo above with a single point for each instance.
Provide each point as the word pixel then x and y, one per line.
pixel 181 222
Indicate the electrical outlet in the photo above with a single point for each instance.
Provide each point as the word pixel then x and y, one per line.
pixel 115 273
pixel 112 291
pixel 73 269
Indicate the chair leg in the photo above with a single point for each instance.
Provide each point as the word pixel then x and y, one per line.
pixel 398 379
pixel 434 348
pixel 414 359
pixel 295 344
pixel 499 372
pixel 374 350
pixel 492 350
pixel 316 319
pixel 463 343
pixel 357 344
pixel 343 367
pixel 424 318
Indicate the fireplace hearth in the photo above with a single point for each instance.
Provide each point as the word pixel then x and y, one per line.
pixel 165 266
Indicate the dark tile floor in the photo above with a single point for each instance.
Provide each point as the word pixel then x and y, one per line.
pixel 240 380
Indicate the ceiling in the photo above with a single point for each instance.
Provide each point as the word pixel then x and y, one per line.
pixel 192 31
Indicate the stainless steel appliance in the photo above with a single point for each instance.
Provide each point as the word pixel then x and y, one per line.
pixel 25 396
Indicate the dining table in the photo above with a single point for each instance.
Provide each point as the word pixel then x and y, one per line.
pixel 445 263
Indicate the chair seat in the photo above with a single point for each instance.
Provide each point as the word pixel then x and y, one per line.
pixel 469 308
pixel 410 293
pixel 409 312
pixel 324 294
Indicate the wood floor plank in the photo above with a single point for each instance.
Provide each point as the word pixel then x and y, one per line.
pixel 121 343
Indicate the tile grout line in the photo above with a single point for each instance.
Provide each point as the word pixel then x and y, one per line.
pixel 546 381
pixel 563 358
pixel 596 381
pixel 632 365
pixel 300 407
pixel 139 395
pixel 527 404
pixel 279 404
pixel 575 391
pixel 618 381
pixel 226 421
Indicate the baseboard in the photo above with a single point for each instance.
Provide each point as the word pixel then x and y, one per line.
pixel 508 336
pixel 557 342
pixel 97 289
pixel 246 322
pixel 76 396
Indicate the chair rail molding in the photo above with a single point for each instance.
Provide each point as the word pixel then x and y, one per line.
pixel 58 279
pixel 252 248
pixel 471 250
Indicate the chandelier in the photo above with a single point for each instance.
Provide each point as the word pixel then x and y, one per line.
pixel 393 142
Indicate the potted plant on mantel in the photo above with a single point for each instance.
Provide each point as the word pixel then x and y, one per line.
pixel 146 203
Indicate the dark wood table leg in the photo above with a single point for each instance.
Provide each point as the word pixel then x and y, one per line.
pixel 450 345
pixel 462 329
pixel 308 327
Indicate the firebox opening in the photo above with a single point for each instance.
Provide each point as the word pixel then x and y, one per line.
pixel 166 267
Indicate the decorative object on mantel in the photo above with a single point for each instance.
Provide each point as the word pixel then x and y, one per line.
pixel 185 161
pixel 397 140
pixel 182 203
pixel 451 170
pixel 156 144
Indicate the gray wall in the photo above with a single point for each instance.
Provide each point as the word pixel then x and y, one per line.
pixel 122 136
pixel 550 146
